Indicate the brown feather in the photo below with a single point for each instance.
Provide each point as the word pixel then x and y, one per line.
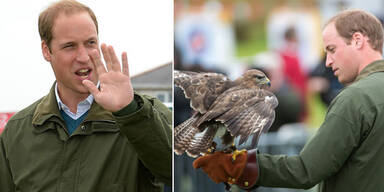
pixel 243 106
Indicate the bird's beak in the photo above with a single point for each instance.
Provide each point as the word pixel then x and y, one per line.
pixel 266 81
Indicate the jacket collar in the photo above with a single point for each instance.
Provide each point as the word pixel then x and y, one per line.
pixel 376 66
pixel 48 110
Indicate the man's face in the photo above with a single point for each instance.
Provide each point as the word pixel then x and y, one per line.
pixel 74 37
pixel 340 56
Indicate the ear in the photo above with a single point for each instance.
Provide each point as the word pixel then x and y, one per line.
pixel 358 40
pixel 46 51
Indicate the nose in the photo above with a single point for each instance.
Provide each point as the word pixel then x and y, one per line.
pixel 82 54
pixel 328 61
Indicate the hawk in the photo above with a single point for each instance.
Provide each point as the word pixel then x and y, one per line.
pixel 242 106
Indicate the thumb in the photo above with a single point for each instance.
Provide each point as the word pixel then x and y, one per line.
pixel 91 87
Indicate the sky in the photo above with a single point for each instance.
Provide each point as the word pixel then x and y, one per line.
pixel 142 28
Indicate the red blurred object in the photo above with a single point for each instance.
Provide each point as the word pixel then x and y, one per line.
pixel 4 117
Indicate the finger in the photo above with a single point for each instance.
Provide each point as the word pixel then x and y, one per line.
pixel 115 61
pixel 124 60
pixel 91 87
pixel 99 66
pixel 106 56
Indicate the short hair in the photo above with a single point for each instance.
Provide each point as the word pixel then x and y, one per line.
pixel 48 16
pixel 351 21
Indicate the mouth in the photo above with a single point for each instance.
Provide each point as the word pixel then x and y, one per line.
pixel 83 73
pixel 334 71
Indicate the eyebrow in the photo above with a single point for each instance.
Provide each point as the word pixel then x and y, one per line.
pixel 92 38
pixel 73 42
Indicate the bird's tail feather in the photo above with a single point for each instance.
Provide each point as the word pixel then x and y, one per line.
pixel 184 134
pixel 202 141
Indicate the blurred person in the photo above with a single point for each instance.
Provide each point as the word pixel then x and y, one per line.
pixel 323 82
pixel 294 75
pixel 305 20
pixel 83 137
pixel 347 151
pixel 290 106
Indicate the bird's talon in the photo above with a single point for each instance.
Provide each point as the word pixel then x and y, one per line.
pixel 236 153
pixel 231 180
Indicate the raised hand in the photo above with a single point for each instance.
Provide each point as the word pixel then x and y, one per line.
pixel 116 89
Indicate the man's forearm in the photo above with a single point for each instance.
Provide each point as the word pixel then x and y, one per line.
pixel 149 130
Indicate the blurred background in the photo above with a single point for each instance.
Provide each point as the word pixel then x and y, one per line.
pixel 144 29
pixel 282 38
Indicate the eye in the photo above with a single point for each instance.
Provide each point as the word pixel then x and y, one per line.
pixel 258 76
pixel 92 42
pixel 67 46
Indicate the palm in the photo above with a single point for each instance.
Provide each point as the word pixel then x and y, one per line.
pixel 115 90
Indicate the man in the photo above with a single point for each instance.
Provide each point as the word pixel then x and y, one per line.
pixel 91 132
pixel 347 152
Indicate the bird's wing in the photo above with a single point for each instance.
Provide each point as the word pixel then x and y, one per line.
pixel 245 112
pixel 201 88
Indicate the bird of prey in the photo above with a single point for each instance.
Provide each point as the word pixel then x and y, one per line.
pixel 242 106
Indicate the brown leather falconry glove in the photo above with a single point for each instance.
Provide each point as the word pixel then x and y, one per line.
pixel 223 167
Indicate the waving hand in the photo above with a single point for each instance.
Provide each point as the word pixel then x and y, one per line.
pixel 115 90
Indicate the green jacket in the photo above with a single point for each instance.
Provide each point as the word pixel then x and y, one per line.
pixel 347 152
pixel 123 151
